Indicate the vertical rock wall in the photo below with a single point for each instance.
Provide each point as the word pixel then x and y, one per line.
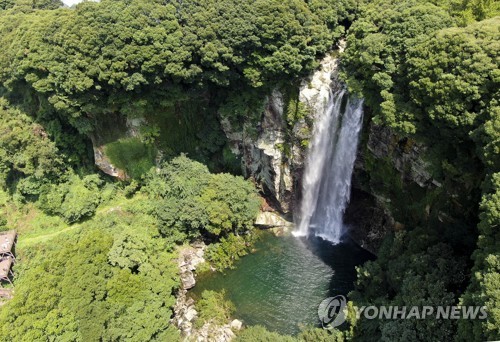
pixel 264 159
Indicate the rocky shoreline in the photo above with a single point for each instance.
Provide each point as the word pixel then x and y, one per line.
pixel 185 313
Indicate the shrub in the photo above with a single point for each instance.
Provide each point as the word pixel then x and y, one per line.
pixel 214 307
pixel 191 202
pixel 223 254
pixel 73 200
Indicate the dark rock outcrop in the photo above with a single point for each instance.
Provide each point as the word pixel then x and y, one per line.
pixel 369 214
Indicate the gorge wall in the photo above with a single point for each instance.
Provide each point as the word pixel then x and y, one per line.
pixel 383 158
pixel 274 158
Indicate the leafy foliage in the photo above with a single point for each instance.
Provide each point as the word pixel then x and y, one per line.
pixel 259 333
pixel 455 85
pixel 375 60
pixel 469 11
pixel 70 291
pixel 183 65
pixel 150 46
pixel 26 152
pixel 75 199
pixel 484 288
pixel 437 84
pixel 27 5
pixel 212 306
pixel 412 269
pixel 318 334
pixel 224 253
pixel 441 85
pixel 191 202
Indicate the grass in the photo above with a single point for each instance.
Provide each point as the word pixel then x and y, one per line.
pixel 131 155
pixel 35 227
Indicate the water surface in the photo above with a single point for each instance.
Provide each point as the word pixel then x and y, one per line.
pixel 281 285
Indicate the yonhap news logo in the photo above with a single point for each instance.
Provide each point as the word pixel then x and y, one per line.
pixel 332 312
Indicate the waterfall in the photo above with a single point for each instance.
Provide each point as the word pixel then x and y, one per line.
pixel 327 177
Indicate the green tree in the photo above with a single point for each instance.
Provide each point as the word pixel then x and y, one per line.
pixel 73 200
pixel 375 60
pixel 191 202
pixel 258 333
pixel 484 288
pixel 454 85
pixel 469 11
pixel 69 290
pixel 26 152
pixel 224 253
pixel 6 4
pixel 412 269
pixel 321 335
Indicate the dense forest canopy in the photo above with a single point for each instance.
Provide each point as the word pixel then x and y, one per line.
pixel 129 56
pixel 71 78
pixel 431 73
pixel 179 62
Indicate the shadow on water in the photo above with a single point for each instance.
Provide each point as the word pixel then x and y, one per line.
pixel 281 285
pixel 342 258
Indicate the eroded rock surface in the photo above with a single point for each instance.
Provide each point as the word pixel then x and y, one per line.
pixel 184 310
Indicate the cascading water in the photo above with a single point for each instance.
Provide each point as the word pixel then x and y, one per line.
pixel 329 165
pixel 282 283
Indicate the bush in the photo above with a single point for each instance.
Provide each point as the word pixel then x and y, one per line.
pixel 3 224
pixel 26 152
pixel 73 200
pixel 258 333
pixel 214 307
pixel 191 202
pixel 69 291
pixel 223 254
pixel 321 335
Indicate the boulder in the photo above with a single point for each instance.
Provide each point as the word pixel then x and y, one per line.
pixel 236 324
pixel 190 314
pixel 188 280
pixel 272 220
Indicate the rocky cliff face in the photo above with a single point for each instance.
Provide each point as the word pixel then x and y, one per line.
pixel 278 170
pixel 388 167
pixel 405 155
pixel 275 169
pixel 370 215
pixel 111 129
pixel 261 156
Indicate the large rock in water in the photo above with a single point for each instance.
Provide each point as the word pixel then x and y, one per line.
pixel 236 324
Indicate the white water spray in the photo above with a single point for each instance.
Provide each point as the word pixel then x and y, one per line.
pixel 327 178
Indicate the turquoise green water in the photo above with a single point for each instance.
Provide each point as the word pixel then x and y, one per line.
pixel 281 285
